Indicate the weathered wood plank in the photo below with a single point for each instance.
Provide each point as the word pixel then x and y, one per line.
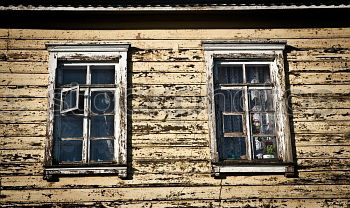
pixel 4 33
pixel 22 156
pixel 23 91
pixel 24 67
pixel 168 114
pixel 319 78
pixel 339 152
pixel 322 115
pixel 182 44
pixel 22 143
pixel 168 67
pixel 319 54
pixel 320 90
pixel 323 164
pixel 186 166
pixel 198 140
pixel 185 127
pixel 23 116
pixel 178 193
pixel 3 44
pixel 15 169
pixel 23 129
pixel 169 102
pixel 167 55
pixel 171 153
pixel 322 66
pixel 23 79
pixel 321 126
pixel 187 34
pixel 283 203
pixel 24 104
pixel 20 44
pixel 320 102
pixel 307 178
pixel 25 55
pixel 287 203
pixel 322 139
pixel 168 90
pixel 168 78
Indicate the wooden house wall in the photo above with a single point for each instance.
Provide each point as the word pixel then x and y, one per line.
pixel 168 129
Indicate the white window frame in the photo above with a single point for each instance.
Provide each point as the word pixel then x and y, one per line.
pixel 263 51
pixel 98 54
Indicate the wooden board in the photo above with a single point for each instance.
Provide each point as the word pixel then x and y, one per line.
pixel 22 143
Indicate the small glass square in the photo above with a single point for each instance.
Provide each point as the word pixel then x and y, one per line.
pixel 101 150
pixel 261 100
pixel 229 100
pixel 73 75
pixel 265 147
pixel 233 123
pixel 102 126
pixel 257 74
pixel 102 74
pixel 232 148
pixel 263 123
pixel 70 151
pixel 102 102
pixel 231 74
pixel 70 127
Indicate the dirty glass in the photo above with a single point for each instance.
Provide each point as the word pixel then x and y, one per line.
pixel 71 150
pixel 101 150
pixel 69 99
pixel 102 74
pixel 102 126
pixel 71 127
pixel 232 74
pixel 232 148
pixel 265 147
pixel 102 102
pixel 263 123
pixel 257 73
pixel 233 124
pixel 261 100
pixel 229 100
pixel 73 75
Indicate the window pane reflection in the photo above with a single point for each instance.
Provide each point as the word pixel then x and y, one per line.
pixel 258 73
pixel 102 102
pixel 101 150
pixel 232 148
pixel 265 148
pixel 102 75
pixel 71 151
pixel 102 126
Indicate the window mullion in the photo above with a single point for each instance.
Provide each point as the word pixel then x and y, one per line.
pixel 247 120
pixel 86 126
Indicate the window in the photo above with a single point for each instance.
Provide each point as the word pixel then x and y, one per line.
pixel 87 109
pixel 248 107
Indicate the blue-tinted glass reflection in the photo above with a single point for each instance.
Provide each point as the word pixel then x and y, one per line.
pixel 232 148
pixel 69 99
pixel 71 151
pixel 102 102
pixel 101 150
pixel 73 75
pixel 102 126
pixel 229 74
pixel 233 123
pixel 102 75
pixel 71 127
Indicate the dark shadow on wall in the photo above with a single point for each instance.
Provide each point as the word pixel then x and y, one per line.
pixel 296 18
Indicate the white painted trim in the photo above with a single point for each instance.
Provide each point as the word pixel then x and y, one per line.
pixel 250 169
pixel 173 8
pixel 121 171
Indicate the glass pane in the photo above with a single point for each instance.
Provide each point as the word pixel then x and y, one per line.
pixel 258 73
pixel 102 102
pixel 102 126
pixel 69 99
pixel 263 123
pixel 74 75
pixel 261 100
pixel 71 127
pixel 228 100
pixel 232 148
pixel 102 75
pixel 101 150
pixel 71 151
pixel 233 123
pixel 265 148
pixel 229 74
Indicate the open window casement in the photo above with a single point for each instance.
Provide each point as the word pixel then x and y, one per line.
pixel 69 99
pixel 249 124
pixel 87 128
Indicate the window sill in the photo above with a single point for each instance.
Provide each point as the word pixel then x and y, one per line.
pixel 287 170
pixel 52 173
